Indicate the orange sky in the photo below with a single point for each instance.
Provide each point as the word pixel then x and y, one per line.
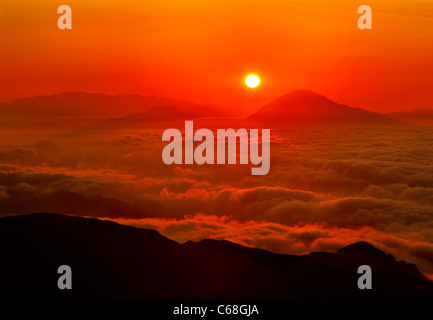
pixel 201 50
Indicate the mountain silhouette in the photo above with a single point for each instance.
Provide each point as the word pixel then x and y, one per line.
pixel 417 116
pixel 163 113
pixel 361 249
pixel 112 261
pixel 85 104
pixel 307 106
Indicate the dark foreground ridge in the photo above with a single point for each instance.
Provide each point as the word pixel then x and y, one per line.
pixel 112 261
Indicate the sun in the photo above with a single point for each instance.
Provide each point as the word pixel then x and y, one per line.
pixel 252 81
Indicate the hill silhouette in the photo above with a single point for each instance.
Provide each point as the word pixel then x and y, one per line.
pixel 153 114
pixel 307 106
pixel 417 116
pixel 84 104
pixel 361 249
pixel 112 261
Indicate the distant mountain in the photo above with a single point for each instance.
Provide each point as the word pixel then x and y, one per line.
pixel 112 261
pixel 307 106
pixel 418 116
pixel 153 114
pixel 81 103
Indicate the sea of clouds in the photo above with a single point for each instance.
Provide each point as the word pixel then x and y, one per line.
pixel 328 186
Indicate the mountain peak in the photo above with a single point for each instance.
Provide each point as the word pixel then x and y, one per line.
pixel 310 107
pixel 298 105
pixel 361 249
pixel 306 98
pixel 303 93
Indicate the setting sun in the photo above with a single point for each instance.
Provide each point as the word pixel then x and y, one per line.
pixel 252 81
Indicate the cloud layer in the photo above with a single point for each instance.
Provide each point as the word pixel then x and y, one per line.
pixel 327 187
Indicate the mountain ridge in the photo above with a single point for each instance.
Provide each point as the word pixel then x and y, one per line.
pixel 113 261
pixel 85 103
pixel 415 116
pixel 308 106
pixel 162 113
pixel 296 106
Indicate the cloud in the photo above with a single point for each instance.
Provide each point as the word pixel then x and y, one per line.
pixel 327 187
pixel 293 239
pixel 418 195
pixel 72 192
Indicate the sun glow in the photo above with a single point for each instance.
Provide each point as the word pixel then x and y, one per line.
pixel 252 81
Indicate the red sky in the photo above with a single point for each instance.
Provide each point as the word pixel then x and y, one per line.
pixel 202 50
